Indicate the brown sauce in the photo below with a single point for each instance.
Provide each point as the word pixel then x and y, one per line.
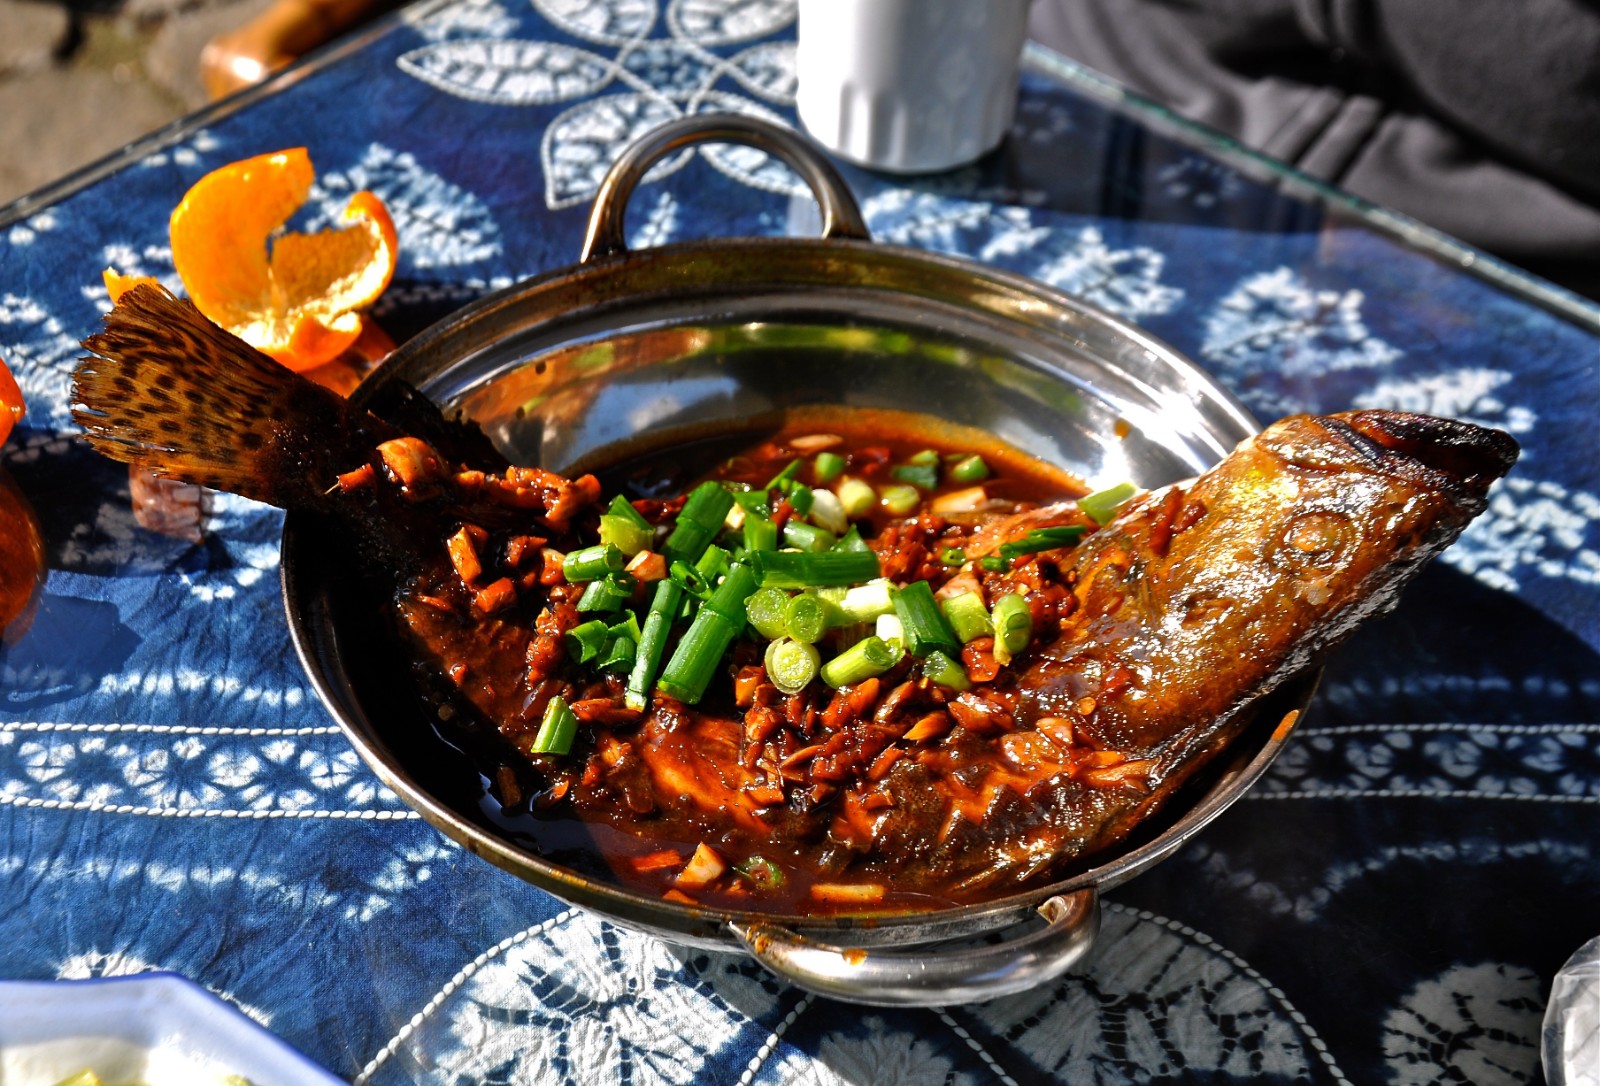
pixel 810 802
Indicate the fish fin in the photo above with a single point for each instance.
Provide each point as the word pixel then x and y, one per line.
pixel 170 392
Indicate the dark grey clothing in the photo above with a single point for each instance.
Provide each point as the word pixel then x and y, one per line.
pixel 1478 117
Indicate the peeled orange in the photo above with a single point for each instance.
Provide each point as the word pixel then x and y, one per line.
pixel 11 405
pixel 293 296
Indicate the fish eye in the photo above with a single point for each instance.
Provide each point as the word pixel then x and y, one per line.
pixel 1313 539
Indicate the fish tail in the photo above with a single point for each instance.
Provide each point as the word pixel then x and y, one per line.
pixel 168 391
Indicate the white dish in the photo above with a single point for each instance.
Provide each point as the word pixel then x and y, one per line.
pixel 156 1029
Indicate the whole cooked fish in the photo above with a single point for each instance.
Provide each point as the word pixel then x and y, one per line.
pixel 1154 634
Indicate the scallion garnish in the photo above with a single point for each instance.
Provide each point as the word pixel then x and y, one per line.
pixel 712 564
pixel 801 498
pixel 692 580
pixel 592 563
pixel 766 609
pixel 807 617
pixel 728 598
pixel 953 556
pixel 851 541
pixel 1102 505
pixel 763 873
pixel 694 662
pixel 586 642
pixel 620 655
pixel 1043 539
pixel 826 467
pixel 609 593
pixel 652 641
pixel 946 671
pixel 699 521
pixel 868 657
pixel 827 511
pixel 802 569
pixel 760 534
pixel 900 499
pixel 865 602
pixel 994 563
pixel 557 730
pixel 967 616
pixel 807 537
pixel 857 497
pixel 791 665
pixel 927 458
pixel 782 480
pixel 923 622
pixel 1013 626
pixel 922 476
pixel 969 469
pixel 623 527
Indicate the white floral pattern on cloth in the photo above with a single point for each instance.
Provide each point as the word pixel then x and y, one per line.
pixel 1551 763
pixel 508 1016
pixel 661 79
pixel 1474 1023
pixel 1126 281
pixel 189 771
pixel 1275 328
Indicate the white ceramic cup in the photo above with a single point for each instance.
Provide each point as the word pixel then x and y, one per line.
pixel 909 86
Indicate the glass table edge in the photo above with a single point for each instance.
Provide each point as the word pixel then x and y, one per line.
pixel 1037 59
pixel 1043 61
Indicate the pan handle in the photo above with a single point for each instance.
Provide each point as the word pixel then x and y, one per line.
pixel 841 218
pixel 928 977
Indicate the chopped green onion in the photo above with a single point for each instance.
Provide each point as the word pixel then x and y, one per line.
pixel 647 657
pixel 866 602
pixel 851 541
pixel 967 615
pixel 1013 626
pixel 782 480
pixel 953 556
pixel 900 499
pixel 607 594
pixel 760 534
pixel 995 563
pixel 1102 505
pixel 628 627
pixel 801 498
pixel 699 521
pixel 1043 539
pixel 921 476
pixel 827 466
pixel 802 569
pixel 557 730
pixel 762 873
pixel 751 501
pixel 807 617
pixel 946 671
pixel 857 497
pixel 766 609
pixel 692 580
pixel 728 599
pixel 868 657
pixel 827 511
pixel 791 665
pixel 587 641
pixel 623 527
pixel 712 564
pixel 889 629
pixel 969 469
pixel 927 458
pixel 620 656
pixel 925 627
pixel 694 662
pixel 592 563
pixel 807 537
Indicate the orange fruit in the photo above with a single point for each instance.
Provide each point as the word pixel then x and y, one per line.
pixel 294 296
pixel 11 406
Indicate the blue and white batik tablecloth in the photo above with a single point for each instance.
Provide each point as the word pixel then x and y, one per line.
pixel 1388 906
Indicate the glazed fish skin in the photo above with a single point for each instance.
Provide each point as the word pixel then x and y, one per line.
pixel 1192 604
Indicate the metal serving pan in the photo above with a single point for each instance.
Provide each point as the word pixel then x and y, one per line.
pixel 628 347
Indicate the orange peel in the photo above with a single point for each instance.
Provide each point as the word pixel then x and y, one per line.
pixel 293 296
pixel 11 406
